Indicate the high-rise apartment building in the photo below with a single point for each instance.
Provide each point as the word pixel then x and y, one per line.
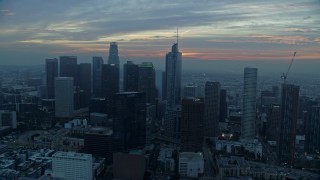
pixel 248 129
pixel 51 73
pixel 96 76
pixel 147 81
pixel 130 76
pixel 64 104
pixel 212 109
pixel 192 115
pixel 288 123
pixel 71 165
pixel 113 54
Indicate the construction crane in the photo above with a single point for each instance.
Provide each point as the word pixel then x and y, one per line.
pixel 285 75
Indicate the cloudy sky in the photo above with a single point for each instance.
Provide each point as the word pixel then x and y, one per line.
pixel 32 30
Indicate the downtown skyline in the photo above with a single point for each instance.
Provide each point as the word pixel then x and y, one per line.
pixel 33 30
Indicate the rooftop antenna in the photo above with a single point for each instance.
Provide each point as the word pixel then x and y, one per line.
pixel 284 76
pixel 177 35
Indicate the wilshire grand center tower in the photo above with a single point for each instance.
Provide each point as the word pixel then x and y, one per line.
pixel 173 80
pixel 249 103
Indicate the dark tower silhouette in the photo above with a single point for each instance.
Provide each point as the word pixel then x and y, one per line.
pixel 192 115
pixel 84 74
pixel 313 131
pixel 288 123
pixel 130 76
pixel 129 122
pixel 68 67
pixel 96 76
pixel 51 73
pixel 147 81
pixel 223 105
pixel 110 83
pixel 212 109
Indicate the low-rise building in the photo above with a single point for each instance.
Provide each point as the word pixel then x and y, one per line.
pixel 70 165
pixel 191 164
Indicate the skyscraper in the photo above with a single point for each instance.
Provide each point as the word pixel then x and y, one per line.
pixel 84 74
pixel 147 81
pixel 173 76
pixel 173 91
pixel 68 67
pixel 223 105
pixel 212 109
pixel 273 122
pixel 288 123
pixel 159 84
pixel 96 76
pixel 64 97
pixel 51 73
pixel 110 80
pixel 313 131
pixel 113 54
pixel 192 124
pixel 129 122
pixel 130 76
pixel 249 103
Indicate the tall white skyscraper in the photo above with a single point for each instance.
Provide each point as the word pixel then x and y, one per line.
pixel 70 166
pixel 249 103
pixel 173 85
pixel 63 89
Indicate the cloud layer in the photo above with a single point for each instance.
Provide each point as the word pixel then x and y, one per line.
pixel 33 30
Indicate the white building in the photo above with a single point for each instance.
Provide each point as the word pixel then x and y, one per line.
pixel 70 166
pixel 63 89
pixel 248 129
pixel 8 118
pixel 191 164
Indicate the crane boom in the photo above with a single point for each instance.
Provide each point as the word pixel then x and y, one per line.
pixel 284 76
pixel 294 55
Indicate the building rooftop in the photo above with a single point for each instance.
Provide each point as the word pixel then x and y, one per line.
pixel 191 156
pixel 100 131
pixel 72 155
pixel 99 114
pixel 146 65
